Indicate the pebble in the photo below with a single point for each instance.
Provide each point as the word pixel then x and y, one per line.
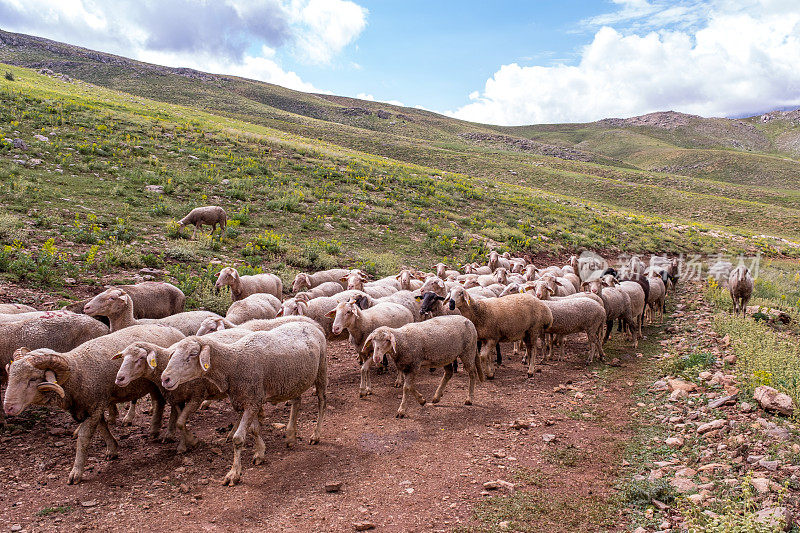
pixel 711 426
pixel 548 437
pixel 363 526
pixel 674 442
pixel 89 503
pixel 333 486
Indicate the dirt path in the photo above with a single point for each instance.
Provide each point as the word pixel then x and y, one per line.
pixel 422 473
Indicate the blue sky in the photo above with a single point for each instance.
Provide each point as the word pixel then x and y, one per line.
pixel 504 62
pixel 435 54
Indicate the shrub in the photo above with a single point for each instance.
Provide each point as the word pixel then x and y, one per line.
pixel 640 493
pixel 9 76
pixel 205 296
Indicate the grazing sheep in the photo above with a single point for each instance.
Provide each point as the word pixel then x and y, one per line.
pixel 656 295
pixel 740 285
pixel 410 280
pixel 511 318
pixel 575 315
pixel 617 304
pixel 328 288
pixel 82 381
pixel 13 309
pixel 259 305
pixel 638 300
pixel 57 330
pixel 154 299
pixel 265 366
pixel 435 343
pixel 475 268
pixel 145 360
pixel 443 272
pixel 117 305
pixel 497 261
pixel 211 325
pixel 317 309
pixel 210 215
pixel 432 305
pixel 359 323
pixel 309 281
pixel 244 286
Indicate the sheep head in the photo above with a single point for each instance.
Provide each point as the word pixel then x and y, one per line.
pixel 191 359
pixel 383 342
pixel 344 316
pixel 301 281
pixel 111 302
pixel 138 360
pixel 32 376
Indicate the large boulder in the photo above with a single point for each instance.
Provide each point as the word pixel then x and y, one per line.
pixel 772 400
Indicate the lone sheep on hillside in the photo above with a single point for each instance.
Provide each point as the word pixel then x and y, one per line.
pixel 210 215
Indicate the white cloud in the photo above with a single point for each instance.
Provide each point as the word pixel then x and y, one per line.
pixel 327 26
pixel 259 67
pixel 220 36
pixel 370 98
pixel 740 60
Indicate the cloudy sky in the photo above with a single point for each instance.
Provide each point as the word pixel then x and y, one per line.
pixel 503 62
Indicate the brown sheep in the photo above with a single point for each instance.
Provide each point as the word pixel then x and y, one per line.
pixel 210 215
pixel 740 285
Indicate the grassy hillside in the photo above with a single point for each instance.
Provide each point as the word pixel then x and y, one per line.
pixel 686 168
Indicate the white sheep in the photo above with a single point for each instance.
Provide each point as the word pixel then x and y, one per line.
pixel 263 367
pixel 244 286
pixel 435 343
pixel 259 305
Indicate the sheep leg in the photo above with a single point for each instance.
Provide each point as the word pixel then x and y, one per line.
pixel 196 227
pixel 322 402
pixel 130 415
pixel 259 448
pixel 111 442
pixel 473 377
pixel 530 350
pixel 233 430
pixel 157 403
pixel 561 345
pixel 609 327
pixel 291 427
pixel 499 355
pixel 398 382
pixel 235 474
pixel 596 339
pixel 187 439
pixel 113 413
pixel 486 360
pixel 448 373
pixel 205 405
pixel 365 389
pixel 408 388
pixel 85 433
pixel 174 412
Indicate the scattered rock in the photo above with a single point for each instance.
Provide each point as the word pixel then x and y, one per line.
pixel 333 486
pixel 548 437
pixel 772 466
pixel 761 484
pixel 775 517
pixel 677 395
pixel 686 472
pixel 491 485
pixel 363 526
pixel 772 400
pixel 674 442
pixel 158 189
pixel 711 426
pixel 680 384
pixel 683 484
pixel 659 386
pixel 521 424
pixel 41 138
pixel 725 400
pixel 89 503
pixel 745 407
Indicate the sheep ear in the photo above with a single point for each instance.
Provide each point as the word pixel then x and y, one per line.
pixel 584 285
pixel 343 278
pixel 397 276
pixel 559 283
pixel 330 314
pixel 393 342
pixel 280 312
pixel 19 353
pixel 205 358
pixel 118 356
pixel 151 359
pixel 551 290
pixel 439 298
pixel 418 297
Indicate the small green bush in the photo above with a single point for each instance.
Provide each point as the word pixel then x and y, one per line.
pixel 640 493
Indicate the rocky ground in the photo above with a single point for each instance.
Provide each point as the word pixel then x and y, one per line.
pixel 715 453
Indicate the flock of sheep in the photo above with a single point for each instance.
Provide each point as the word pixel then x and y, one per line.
pixel 270 350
